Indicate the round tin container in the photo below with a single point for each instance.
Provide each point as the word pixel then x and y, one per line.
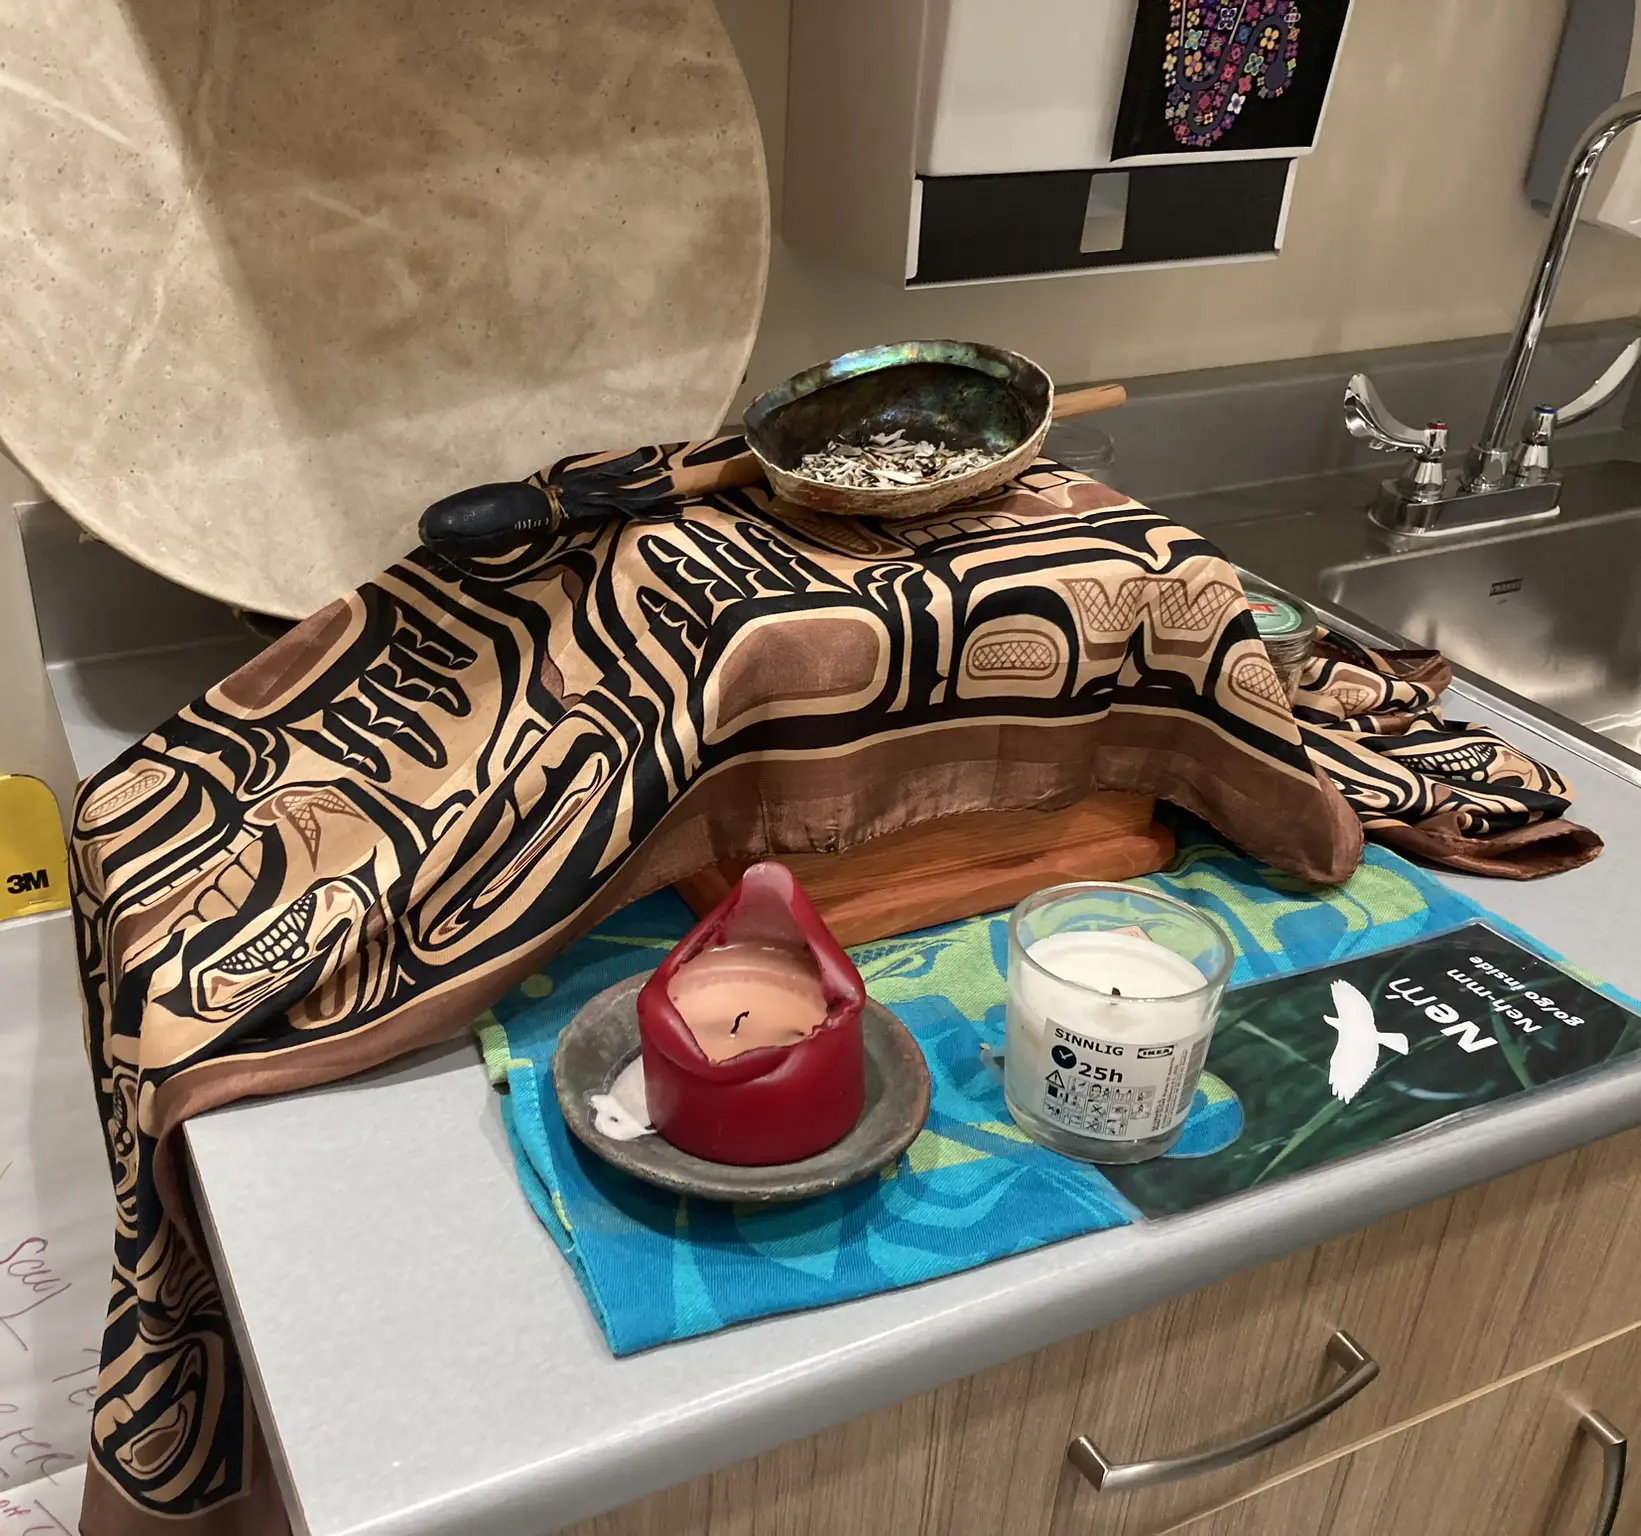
pixel 1288 628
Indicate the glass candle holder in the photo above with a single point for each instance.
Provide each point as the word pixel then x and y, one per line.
pixel 1113 997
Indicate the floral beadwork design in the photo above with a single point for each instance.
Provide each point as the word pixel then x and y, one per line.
pixel 1216 56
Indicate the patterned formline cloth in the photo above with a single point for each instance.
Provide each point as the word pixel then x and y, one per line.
pixel 367 835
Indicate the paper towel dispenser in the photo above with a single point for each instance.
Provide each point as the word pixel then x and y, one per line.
pixel 948 141
pixel 1598 63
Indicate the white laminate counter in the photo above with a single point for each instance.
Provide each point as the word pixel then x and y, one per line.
pixel 425 1363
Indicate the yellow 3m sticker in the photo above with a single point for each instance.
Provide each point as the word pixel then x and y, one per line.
pixel 33 861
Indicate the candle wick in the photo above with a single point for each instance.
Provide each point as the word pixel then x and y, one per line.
pixel 745 1013
pixel 1116 991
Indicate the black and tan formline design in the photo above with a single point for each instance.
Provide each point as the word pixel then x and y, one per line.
pixel 360 840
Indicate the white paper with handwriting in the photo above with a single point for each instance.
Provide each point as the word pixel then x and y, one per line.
pixel 56 1214
pixel 50 1506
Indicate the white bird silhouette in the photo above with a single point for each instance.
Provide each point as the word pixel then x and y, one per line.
pixel 1357 1053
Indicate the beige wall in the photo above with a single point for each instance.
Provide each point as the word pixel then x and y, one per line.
pixel 1408 223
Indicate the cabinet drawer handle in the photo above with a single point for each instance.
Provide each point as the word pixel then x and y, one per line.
pixel 1614 1451
pixel 1111 1477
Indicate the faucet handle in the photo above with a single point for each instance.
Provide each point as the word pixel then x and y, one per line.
pixel 1366 418
pixel 1530 463
pixel 1604 388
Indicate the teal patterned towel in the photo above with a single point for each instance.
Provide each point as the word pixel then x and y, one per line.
pixel 971 1188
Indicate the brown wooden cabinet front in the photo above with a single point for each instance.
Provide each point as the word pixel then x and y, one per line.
pixel 1510 1462
pixel 1450 1298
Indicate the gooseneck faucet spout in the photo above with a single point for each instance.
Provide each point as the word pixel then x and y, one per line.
pixel 1496 485
pixel 1486 467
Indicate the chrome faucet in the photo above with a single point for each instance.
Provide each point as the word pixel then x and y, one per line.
pixel 1497 484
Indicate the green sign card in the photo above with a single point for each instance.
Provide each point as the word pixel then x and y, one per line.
pixel 1332 1062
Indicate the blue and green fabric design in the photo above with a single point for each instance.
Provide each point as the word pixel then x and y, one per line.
pixel 971 1188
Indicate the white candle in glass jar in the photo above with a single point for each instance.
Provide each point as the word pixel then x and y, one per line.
pixel 1107 1032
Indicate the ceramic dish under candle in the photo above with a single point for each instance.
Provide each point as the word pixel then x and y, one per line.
pixel 599 1083
pixel 1113 996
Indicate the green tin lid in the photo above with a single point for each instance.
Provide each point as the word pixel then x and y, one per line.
pixel 1275 616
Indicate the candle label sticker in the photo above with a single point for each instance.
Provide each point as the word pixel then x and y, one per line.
pixel 1119 1090
pixel 1332 1062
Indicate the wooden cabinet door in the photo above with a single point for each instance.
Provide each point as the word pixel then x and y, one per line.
pixel 1510 1462
pixel 1449 1297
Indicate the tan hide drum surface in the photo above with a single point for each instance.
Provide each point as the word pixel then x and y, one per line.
pixel 278 273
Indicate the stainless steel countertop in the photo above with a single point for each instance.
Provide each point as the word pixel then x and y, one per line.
pixel 424 1362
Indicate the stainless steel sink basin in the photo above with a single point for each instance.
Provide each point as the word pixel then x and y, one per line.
pixel 1554 616
pixel 1551 612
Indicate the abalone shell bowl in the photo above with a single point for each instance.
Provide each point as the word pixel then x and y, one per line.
pixel 960 393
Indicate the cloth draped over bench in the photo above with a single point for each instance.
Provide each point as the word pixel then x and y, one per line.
pixel 359 841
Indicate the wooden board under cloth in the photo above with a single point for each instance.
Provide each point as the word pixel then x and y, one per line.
pixel 960 866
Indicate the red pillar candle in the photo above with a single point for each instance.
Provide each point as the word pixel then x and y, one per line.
pixel 751 1030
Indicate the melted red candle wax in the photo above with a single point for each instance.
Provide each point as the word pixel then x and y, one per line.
pixel 798 1084
pixel 737 998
